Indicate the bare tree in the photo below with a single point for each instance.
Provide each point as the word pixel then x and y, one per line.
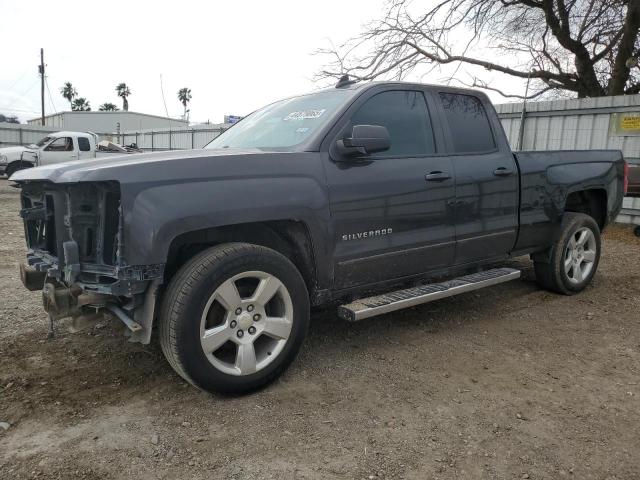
pixel 588 47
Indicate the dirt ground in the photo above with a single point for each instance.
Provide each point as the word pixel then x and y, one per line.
pixel 509 382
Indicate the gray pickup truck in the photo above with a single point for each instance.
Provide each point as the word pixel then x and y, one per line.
pixel 370 197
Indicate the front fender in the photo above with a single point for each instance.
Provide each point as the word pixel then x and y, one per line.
pixel 155 216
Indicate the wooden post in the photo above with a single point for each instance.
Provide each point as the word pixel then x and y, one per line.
pixel 41 69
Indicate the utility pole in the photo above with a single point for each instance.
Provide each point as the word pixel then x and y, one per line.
pixel 523 115
pixel 41 70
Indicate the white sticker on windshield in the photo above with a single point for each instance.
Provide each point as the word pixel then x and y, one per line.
pixel 305 114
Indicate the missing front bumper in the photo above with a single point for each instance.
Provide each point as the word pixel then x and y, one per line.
pixel 61 301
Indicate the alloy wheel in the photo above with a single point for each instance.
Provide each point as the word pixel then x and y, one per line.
pixel 580 255
pixel 246 323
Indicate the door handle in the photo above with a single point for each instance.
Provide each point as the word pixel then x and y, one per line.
pixel 436 176
pixel 502 172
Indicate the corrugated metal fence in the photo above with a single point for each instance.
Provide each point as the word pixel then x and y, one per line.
pixel 196 136
pixel 18 134
pixel 589 123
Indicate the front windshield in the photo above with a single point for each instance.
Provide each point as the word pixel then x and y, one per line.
pixel 42 142
pixel 282 124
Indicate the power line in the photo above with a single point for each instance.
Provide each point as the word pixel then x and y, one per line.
pixel 16 100
pixel 53 107
pixel 11 109
pixel 165 102
pixel 24 74
pixel 29 89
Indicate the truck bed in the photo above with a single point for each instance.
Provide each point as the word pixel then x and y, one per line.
pixel 547 180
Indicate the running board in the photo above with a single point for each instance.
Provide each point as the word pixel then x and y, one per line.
pixel 390 302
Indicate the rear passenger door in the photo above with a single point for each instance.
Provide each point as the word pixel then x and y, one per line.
pixel 390 220
pixel 486 212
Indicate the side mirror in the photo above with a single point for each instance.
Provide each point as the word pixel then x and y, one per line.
pixel 365 140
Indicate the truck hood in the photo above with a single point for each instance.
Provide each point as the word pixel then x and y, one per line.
pixel 162 167
pixel 13 153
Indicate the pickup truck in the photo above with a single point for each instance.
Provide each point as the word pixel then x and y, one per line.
pixel 54 148
pixel 369 197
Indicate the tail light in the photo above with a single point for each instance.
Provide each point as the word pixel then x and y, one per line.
pixel 626 178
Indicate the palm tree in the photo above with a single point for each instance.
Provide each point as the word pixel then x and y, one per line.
pixel 80 104
pixel 124 92
pixel 108 107
pixel 69 92
pixel 184 95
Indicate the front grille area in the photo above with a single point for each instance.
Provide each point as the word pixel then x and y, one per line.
pixel 39 213
pixel 80 222
pixel 92 212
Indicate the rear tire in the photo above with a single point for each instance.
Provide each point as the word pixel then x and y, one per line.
pixel 571 262
pixel 234 317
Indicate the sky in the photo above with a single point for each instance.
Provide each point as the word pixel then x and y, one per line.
pixel 235 56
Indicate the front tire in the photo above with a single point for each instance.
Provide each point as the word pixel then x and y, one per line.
pixel 234 317
pixel 15 166
pixel 571 262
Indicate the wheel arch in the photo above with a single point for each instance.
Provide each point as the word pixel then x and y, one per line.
pixel 288 237
pixel 592 202
pixel 16 165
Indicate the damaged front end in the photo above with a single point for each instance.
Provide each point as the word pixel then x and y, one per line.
pixel 75 237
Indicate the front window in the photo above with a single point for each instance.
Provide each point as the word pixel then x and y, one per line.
pixel 61 144
pixel 43 142
pixel 404 113
pixel 282 124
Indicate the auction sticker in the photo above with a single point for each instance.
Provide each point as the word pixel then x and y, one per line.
pixel 304 115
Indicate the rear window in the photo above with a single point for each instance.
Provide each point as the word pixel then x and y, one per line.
pixel 83 144
pixel 468 123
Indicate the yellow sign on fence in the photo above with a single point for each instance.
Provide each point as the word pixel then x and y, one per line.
pixel 625 124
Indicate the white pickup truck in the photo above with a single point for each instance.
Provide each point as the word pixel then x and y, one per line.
pixel 55 148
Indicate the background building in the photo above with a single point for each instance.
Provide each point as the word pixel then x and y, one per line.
pixel 103 122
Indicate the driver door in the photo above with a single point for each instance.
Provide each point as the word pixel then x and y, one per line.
pixel 62 149
pixel 389 218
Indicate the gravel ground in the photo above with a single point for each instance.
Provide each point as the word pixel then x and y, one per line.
pixel 510 382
